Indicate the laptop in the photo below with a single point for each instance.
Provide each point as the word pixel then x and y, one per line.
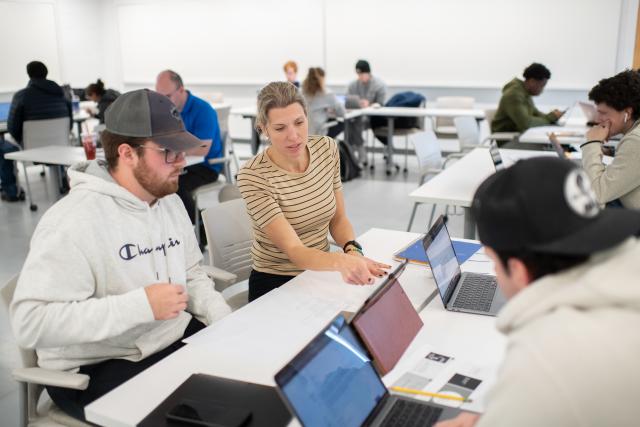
pixel 590 112
pixel 387 322
pixel 332 382
pixel 465 292
pixel 496 158
pixel 562 120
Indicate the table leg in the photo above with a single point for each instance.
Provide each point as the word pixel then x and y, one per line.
pixel 389 145
pixel 32 206
pixel 79 125
pixel 469 224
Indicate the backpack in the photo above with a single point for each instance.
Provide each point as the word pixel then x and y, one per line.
pixel 349 168
pixel 402 99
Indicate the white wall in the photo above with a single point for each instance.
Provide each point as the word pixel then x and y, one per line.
pixel 97 38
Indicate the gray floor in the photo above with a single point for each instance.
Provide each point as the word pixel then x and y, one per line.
pixel 374 200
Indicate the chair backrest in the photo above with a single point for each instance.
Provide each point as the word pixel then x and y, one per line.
pixel 230 236
pixel 40 133
pixel 468 132
pixel 28 357
pixel 489 114
pixel 229 192
pixel 465 102
pixel 428 152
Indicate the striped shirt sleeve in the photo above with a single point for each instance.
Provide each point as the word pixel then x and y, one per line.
pixel 261 203
pixel 337 182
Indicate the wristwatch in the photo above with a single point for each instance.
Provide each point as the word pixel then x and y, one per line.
pixel 354 244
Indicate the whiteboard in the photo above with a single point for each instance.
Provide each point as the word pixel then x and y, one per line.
pixel 464 43
pixel 222 41
pixel 473 43
pixel 22 43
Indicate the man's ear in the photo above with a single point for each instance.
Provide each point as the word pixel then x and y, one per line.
pixel 127 154
pixel 519 273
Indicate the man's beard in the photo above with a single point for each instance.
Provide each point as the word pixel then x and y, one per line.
pixel 150 181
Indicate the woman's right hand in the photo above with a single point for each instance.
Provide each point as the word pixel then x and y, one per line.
pixel 359 270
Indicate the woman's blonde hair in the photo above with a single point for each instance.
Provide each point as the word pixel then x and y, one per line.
pixel 277 95
pixel 313 83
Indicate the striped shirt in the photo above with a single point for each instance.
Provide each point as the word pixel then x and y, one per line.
pixel 307 200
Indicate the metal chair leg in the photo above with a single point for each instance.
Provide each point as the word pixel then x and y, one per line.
pixel 406 153
pixel 413 215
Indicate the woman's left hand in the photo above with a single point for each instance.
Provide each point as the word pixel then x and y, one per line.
pixel 378 269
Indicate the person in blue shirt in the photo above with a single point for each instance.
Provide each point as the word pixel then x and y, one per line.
pixel 201 120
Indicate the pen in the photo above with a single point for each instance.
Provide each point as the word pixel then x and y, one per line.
pixel 430 394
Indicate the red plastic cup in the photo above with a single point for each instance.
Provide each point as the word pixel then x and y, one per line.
pixel 89 146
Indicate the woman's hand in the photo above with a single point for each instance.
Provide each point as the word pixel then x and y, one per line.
pixel 359 270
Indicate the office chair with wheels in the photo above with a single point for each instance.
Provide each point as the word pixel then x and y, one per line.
pixel 32 380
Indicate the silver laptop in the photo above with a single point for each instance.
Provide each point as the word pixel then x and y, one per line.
pixel 332 382
pixel 562 121
pixel 589 110
pixel 466 292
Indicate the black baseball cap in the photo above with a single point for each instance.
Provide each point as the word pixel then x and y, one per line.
pixel 147 114
pixel 363 66
pixel 546 205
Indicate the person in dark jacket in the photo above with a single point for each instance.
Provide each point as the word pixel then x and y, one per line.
pixel 42 99
pixel 103 97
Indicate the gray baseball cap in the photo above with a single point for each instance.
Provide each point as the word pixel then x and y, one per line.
pixel 147 114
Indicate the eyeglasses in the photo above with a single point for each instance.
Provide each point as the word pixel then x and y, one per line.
pixel 170 156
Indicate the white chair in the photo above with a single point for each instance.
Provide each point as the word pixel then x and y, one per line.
pixel 32 380
pixel 468 132
pixel 43 133
pixel 226 177
pixel 230 236
pixel 430 162
pixel 489 114
pixel 444 126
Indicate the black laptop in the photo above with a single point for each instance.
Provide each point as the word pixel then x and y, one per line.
pixel 332 382
pixel 467 292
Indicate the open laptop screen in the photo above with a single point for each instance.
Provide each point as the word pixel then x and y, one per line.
pixel 4 111
pixel 442 258
pixel 332 380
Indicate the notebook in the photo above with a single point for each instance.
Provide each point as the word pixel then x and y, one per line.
pixel 414 252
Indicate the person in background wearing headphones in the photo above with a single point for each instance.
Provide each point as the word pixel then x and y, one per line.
pixel 617 100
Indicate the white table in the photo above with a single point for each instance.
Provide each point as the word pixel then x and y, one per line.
pixel 457 184
pixel 253 343
pixel 60 155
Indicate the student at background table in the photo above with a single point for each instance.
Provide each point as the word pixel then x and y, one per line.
pixel 291 73
pixel 103 97
pixel 294 197
pixel 323 104
pixel 617 101
pixel 516 111
pixel 370 91
pixel 570 271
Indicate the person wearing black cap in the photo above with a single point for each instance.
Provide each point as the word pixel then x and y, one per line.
pixel 370 91
pixel 516 110
pixel 570 270
pixel 113 281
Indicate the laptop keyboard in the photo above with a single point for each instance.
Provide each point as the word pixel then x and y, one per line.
pixel 476 293
pixel 408 413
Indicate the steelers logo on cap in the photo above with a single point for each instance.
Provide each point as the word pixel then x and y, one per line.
pixel 579 194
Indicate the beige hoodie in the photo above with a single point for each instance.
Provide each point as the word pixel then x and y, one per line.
pixel 573 352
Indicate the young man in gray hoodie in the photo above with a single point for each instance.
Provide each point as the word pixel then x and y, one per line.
pixel 113 282
pixel 571 273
